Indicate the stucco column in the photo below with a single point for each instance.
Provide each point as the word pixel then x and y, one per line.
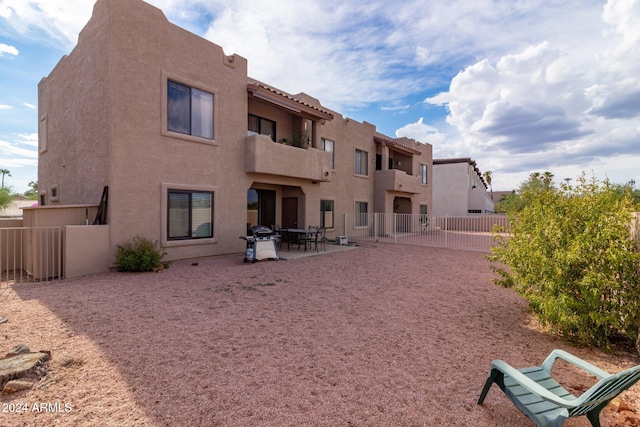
pixel 315 134
pixel 385 157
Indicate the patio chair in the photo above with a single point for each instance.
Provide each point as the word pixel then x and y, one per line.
pixel 311 237
pixel 547 403
pixel 321 239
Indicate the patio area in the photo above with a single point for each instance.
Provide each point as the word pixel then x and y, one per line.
pixel 378 335
pixel 295 253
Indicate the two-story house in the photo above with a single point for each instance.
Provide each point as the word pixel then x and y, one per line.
pixel 193 150
pixel 459 188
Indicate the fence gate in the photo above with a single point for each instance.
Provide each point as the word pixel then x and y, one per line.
pixel 30 254
pixel 472 233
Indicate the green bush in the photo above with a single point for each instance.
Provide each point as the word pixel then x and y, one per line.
pixel 5 198
pixel 138 254
pixel 571 255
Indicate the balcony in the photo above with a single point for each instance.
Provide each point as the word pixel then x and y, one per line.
pixel 397 180
pixel 262 155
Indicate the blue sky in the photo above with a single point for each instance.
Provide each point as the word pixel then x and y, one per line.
pixel 519 86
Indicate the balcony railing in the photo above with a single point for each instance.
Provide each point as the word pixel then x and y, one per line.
pixel 262 155
pixel 397 180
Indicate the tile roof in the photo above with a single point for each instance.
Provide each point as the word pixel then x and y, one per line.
pixel 261 88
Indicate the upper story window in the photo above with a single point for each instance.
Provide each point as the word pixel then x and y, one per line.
pixel 262 126
pixel 189 110
pixel 423 173
pixel 362 162
pixel 328 145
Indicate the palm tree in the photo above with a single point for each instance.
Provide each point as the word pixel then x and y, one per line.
pixel 487 177
pixel 547 178
pixel 4 172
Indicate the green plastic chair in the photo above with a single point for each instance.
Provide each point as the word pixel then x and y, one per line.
pixel 545 402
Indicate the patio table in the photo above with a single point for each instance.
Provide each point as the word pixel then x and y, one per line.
pixel 298 232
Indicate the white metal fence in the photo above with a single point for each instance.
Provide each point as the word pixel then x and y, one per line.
pixel 30 254
pixel 473 233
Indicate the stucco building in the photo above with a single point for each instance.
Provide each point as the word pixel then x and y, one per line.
pixel 192 149
pixel 459 188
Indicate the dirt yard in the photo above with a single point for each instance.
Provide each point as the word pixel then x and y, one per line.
pixel 384 335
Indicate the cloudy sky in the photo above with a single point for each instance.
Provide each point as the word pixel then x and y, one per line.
pixel 519 86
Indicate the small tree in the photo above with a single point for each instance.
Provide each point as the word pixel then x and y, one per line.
pixel 570 254
pixel 5 198
pixel 32 192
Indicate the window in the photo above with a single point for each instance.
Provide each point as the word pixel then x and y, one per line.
pixel 361 163
pixel 423 173
pixel 54 193
pixel 262 126
pixel 189 110
pixel 42 135
pixel 190 215
pixel 328 146
pixel 326 213
pixel 361 214
pixel 424 209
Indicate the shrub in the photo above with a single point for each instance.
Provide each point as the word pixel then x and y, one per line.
pixel 571 255
pixel 138 254
pixel 5 198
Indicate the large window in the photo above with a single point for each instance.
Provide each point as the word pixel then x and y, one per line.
pixel 189 110
pixel 190 215
pixel 262 126
pixel 423 173
pixel 362 219
pixel 326 213
pixel 328 145
pixel 361 163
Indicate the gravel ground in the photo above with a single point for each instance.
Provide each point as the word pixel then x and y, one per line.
pixel 384 335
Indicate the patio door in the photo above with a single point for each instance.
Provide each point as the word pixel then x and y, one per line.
pixel 290 212
pixel 402 207
pixel 261 207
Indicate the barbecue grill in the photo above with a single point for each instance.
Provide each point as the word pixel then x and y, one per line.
pixel 261 244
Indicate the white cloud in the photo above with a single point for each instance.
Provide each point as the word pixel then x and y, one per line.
pixel 7 49
pixel 12 152
pixel 561 104
pixel 530 85
pixel 421 132
pixel 28 139
pixel 47 21
pixel 5 107
pixel 331 50
pixel 33 107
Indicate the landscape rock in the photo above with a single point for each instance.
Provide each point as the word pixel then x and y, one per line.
pixel 621 405
pixel 19 349
pixel 25 365
pixel 14 386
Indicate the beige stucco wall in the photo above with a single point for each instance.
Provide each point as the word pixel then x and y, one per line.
pixel 86 250
pixel 104 113
pixel 451 189
pixel 114 133
pixel 457 189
